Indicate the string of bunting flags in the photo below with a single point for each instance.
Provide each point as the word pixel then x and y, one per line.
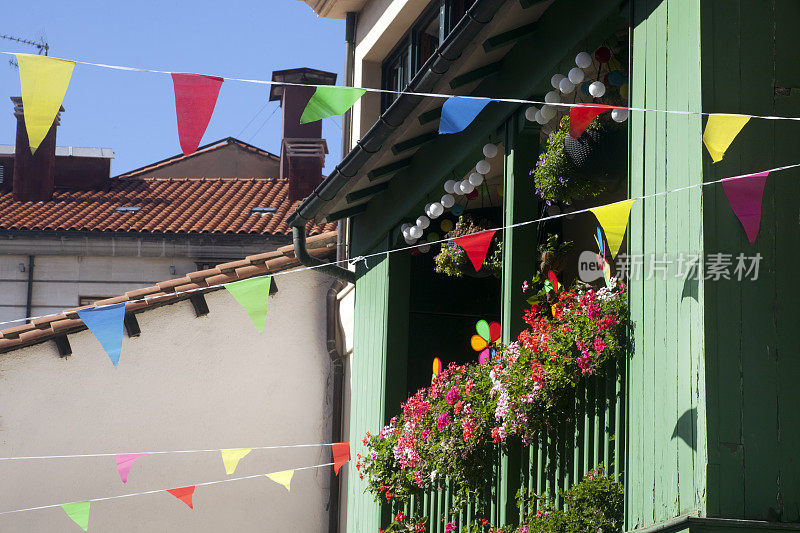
pixel 79 511
pixel 744 193
pixel 44 81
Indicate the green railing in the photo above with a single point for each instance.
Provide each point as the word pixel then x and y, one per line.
pixel 594 435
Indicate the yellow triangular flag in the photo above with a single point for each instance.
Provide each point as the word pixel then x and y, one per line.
pixel 720 132
pixel 231 458
pixel 44 81
pixel 282 478
pixel 614 219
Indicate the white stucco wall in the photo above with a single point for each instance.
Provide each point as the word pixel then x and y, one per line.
pixel 185 383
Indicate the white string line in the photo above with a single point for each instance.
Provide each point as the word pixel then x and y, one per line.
pixel 161 490
pixel 438 95
pixel 410 247
pixel 161 452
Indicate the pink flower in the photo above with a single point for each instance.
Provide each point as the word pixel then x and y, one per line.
pixel 425 434
pixel 450 527
pixel 469 385
pixel 453 396
pixel 442 421
pixel 525 286
pixel 599 344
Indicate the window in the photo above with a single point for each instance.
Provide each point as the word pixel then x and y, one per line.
pixel 418 45
pixel 90 300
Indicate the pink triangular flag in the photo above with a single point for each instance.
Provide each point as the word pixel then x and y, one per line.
pixel 581 115
pixel 744 195
pixel 125 462
pixel 195 98
pixel 476 246
pixel 184 494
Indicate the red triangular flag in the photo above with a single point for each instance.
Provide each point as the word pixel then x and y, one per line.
pixel 341 454
pixel 581 115
pixel 184 494
pixel 476 245
pixel 195 98
pixel 744 195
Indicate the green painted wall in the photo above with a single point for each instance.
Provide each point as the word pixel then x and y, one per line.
pixel 751 64
pixel 665 470
pixel 379 351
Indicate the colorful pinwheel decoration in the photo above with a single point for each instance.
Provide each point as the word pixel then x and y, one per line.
pixel 483 342
pixel 601 257
pixel 437 367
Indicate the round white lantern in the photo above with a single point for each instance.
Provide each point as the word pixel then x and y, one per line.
pixel 424 248
pixel 619 115
pixel 583 60
pixel 597 89
pixel 409 240
pixel 540 118
pixel 483 167
pixel 415 232
pixel 448 186
pixel 467 187
pixel 552 97
pixel 423 222
pixel 566 86
pixel 436 210
pixel 555 80
pixel 490 150
pixel 576 75
pixel 475 179
pixel 548 112
pixel 530 113
pixel 448 200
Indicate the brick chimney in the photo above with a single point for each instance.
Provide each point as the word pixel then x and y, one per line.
pixel 302 147
pixel 34 174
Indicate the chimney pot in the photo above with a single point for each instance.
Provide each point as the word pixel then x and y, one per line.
pixel 34 173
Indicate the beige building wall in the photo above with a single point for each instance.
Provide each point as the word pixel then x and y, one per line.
pixel 185 383
pixel 230 161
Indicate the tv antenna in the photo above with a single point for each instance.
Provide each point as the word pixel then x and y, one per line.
pixel 41 46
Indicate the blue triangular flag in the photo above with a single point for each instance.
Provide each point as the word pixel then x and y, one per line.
pixel 458 113
pixel 106 323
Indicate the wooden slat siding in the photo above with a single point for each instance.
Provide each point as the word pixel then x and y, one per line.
pixel 784 194
pixel 367 384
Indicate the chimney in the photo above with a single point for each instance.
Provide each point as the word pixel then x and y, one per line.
pixel 34 174
pixel 302 147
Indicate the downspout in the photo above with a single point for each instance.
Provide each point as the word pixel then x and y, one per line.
pixel 337 398
pixel 29 301
pixel 300 251
pixel 342 238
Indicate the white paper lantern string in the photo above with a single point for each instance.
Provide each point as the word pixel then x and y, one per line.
pixel 436 210
pixel 483 167
pixel 619 115
pixel 548 112
pixel 448 186
pixel 556 79
pixel 566 86
pixel 576 75
pixel 448 201
pixel 467 187
pixel 415 232
pixel 552 97
pixel 476 178
pixel 490 150
pixel 597 89
pixel 531 113
pixel 423 222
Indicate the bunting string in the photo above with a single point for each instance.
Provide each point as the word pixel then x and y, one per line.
pixel 207 483
pixel 434 95
pixel 161 452
pixel 346 262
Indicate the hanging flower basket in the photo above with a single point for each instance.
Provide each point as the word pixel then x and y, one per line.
pixel 452 260
pixel 574 169
pixel 554 254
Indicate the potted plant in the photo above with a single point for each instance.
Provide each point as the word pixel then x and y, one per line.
pixel 452 260
pixel 573 169
pixel 554 254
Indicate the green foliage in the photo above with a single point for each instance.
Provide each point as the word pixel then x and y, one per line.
pixel 452 259
pixel 555 178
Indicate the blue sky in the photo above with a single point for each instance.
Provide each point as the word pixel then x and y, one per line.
pixel 133 112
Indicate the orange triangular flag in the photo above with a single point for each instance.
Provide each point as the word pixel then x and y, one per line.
pixel 341 454
pixel 184 494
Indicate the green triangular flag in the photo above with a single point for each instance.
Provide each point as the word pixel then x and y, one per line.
pixel 253 294
pixel 79 512
pixel 329 100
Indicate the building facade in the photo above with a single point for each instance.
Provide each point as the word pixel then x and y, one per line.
pixel 698 418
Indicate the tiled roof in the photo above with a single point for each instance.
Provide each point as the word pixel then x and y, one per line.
pixel 168 292
pixel 166 206
pixel 201 150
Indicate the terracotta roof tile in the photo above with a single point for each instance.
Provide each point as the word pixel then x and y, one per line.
pixel 166 205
